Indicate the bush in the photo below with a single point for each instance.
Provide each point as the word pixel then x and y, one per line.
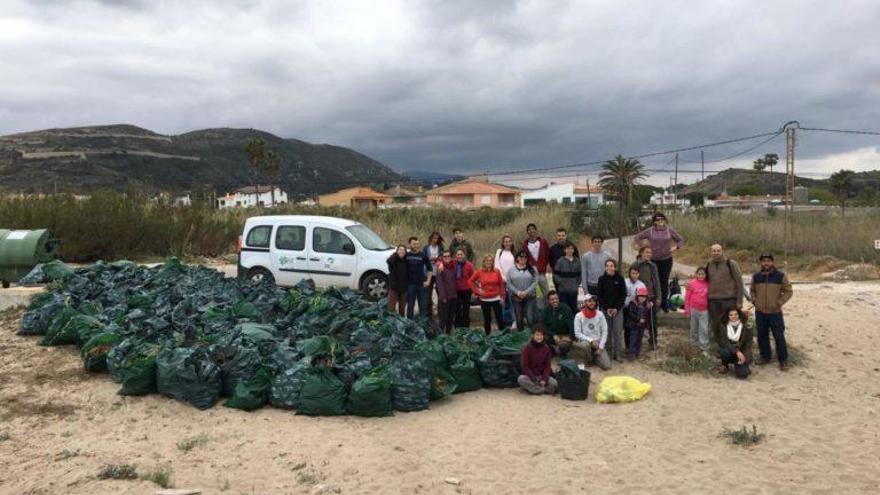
pixel 118 472
pixel 743 437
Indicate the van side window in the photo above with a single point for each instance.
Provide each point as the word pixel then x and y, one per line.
pixel 330 241
pixel 291 238
pixel 259 236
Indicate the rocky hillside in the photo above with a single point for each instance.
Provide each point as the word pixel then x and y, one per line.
pixel 732 179
pixel 118 157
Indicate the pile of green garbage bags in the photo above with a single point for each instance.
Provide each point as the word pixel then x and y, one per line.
pixel 191 334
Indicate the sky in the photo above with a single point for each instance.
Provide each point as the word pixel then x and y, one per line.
pixel 460 86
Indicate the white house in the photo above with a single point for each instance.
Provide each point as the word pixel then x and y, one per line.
pixel 245 197
pixel 567 193
pixel 669 199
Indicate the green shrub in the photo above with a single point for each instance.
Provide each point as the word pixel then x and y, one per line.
pixel 743 437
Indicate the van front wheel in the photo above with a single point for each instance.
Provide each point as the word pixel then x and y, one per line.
pixel 259 274
pixel 375 286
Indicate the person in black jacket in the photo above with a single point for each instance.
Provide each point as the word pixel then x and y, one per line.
pixel 611 293
pixel 397 280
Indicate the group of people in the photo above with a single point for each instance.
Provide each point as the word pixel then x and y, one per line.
pixel 618 309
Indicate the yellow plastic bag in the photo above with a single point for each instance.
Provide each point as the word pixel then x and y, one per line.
pixel 621 389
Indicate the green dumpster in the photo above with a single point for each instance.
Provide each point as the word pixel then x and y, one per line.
pixel 22 250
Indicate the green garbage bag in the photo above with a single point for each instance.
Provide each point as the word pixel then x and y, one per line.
pixel 85 327
pixel 434 350
pixel 55 271
pixel 245 309
pixel 140 301
pixel 137 371
pixel 466 374
pixel 188 374
pixel 58 333
pixel 411 378
pixel 94 351
pixel 285 389
pixel 443 385
pixel 498 372
pixel 470 341
pixel 251 394
pixel 371 394
pixel 241 367
pixel 322 394
pixel 321 345
pixel 509 342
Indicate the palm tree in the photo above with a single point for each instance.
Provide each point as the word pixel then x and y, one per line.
pixel 619 177
pixel 841 183
pixel 271 167
pixel 256 152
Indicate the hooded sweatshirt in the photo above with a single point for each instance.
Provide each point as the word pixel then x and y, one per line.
pixel 590 326
pixel 535 360
pixel 696 297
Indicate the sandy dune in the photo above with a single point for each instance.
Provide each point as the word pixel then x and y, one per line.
pixel 821 419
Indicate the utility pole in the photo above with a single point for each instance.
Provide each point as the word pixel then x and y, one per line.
pixel 790 140
pixel 702 165
pixel 675 187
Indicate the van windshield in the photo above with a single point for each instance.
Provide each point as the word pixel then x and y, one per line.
pixel 368 239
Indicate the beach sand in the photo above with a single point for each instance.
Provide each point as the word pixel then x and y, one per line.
pixel 59 426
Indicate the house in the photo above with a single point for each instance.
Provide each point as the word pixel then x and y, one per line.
pixel 474 193
pixel 402 196
pixel 245 197
pixel 356 198
pixel 669 199
pixel 744 202
pixel 567 193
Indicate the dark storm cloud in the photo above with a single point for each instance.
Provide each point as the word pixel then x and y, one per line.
pixel 455 85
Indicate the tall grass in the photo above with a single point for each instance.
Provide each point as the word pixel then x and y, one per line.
pixel 108 225
pixel 814 234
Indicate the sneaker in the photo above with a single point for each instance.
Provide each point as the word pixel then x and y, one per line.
pixel 762 361
pixel 783 366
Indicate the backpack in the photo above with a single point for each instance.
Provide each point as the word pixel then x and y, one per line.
pixel 729 269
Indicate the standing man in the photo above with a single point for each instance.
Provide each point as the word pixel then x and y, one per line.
pixel 538 250
pixel 459 242
pixel 419 272
pixel 593 265
pixel 725 289
pixel 770 290
pixel 558 250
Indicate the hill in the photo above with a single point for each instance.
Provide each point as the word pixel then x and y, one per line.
pixel 118 157
pixel 732 179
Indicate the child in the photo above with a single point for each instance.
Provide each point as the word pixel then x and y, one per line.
pixel 633 284
pixel 735 345
pixel 638 319
pixel 696 308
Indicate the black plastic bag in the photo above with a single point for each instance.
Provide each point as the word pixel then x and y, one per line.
pixel 412 376
pixel 188 374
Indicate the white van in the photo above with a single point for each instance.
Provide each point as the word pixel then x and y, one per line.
pixel 331 251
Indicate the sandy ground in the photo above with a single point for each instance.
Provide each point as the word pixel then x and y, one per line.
pixel 59 426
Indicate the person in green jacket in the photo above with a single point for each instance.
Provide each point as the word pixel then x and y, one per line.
pixel 459 242
pixel 557 320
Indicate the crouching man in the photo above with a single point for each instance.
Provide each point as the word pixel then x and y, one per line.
pixel 591 333
pixel 535 358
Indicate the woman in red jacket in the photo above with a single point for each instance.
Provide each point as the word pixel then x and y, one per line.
pixel 488 285
pixel 464 270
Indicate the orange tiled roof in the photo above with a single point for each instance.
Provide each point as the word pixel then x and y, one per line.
pixel 468 187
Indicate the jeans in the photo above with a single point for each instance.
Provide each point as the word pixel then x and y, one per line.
pixel 615 345
pixel 570 299
pixel 728 357
pixel 523 312
pixel 397 301
pixel 489 308
pixel 602 360
pixel 718 308
pixel 416 293
pixel 664 269
pixel 636 335
pixel 700 329
pixel 766 323
pixel 446 314
pixel 535 388
pixel 463 309
pixel 541 293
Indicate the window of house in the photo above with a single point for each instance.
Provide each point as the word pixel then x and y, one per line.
pixel 485 199
pixel 259 236
pixel 566 200
pixel 291 238
pixel 330 241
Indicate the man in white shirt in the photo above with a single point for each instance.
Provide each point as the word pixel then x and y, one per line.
pixel 591 333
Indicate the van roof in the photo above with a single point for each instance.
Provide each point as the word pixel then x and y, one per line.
pixel 334 221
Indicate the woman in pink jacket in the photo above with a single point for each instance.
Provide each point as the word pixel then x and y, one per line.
pixel 696 307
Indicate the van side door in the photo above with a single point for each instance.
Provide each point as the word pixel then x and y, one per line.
pixel 332 257
pixel 290 262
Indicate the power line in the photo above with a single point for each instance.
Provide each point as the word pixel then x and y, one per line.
pixel 841 131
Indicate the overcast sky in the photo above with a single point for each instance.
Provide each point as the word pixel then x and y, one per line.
pixel 458 86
